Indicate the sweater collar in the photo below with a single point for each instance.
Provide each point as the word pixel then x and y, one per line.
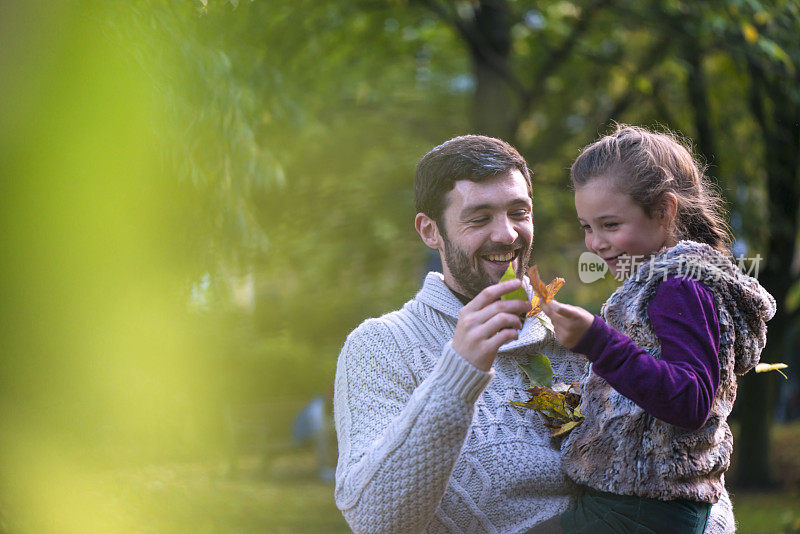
pixel 437 295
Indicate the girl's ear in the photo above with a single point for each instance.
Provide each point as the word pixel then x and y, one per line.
pixel 668 209
pixel 428 230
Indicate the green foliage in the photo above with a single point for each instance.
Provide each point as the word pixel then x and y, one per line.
pixel 302 166
pixel 538 370
pixel 299 125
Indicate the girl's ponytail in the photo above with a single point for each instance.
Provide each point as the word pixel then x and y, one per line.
pixel 704 222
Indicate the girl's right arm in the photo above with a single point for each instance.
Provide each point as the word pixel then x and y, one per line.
pixel 680 387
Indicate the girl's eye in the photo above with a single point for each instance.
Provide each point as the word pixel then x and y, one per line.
pixel 586 228
pixel 611 225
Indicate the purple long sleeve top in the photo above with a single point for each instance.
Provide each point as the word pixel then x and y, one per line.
pixel 680 388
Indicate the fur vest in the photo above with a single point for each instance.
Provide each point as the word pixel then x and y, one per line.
pixel 622 449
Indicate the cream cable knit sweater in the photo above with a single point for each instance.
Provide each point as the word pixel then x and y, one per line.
pixel 429 443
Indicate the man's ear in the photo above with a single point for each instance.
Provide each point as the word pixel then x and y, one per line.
pixel 428 230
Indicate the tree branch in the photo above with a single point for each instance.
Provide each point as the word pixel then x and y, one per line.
pixel 556 58
pixel 479 45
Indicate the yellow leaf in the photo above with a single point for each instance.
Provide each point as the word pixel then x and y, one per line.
pixel 765 367
pixel 545 399
pixel 750 33
pixel 560 410
pixel 563 429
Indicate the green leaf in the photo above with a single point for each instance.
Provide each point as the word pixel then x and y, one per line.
pixel 776 52
pixel 538 370
pixel 517 294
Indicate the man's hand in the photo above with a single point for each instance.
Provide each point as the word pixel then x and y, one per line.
pixel 487 322
pixel 569 322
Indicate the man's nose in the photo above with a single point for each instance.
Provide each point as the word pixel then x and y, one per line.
pixel 504 231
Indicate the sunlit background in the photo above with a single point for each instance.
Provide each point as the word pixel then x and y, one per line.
pixel 201 198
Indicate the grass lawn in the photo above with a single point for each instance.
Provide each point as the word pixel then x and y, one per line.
pixel 778 510
pixel 285 496
pixel 179 498
pixel 192 498
pixel 767 512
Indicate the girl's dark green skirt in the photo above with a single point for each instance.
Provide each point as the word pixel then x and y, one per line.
pixel 599 512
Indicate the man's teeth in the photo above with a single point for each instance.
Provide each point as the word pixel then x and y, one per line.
pixel 500 257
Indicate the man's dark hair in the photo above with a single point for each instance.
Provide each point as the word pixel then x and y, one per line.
pixel 468 157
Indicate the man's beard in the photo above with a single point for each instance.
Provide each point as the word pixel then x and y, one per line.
pixel 472 277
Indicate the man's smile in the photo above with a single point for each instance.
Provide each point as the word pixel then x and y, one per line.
pixel 496 263
pixel 501 258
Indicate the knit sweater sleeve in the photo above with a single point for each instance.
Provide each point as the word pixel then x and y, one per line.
pixel 398 439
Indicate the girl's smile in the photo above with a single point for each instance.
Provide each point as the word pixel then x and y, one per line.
pixel 616 226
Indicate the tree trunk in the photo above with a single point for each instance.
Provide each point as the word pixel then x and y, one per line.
pixel 490 53
pixel 780 124
pixel 698 97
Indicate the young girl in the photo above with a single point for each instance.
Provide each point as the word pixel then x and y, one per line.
pixel 652 451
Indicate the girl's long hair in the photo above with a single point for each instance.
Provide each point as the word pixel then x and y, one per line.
pixel 646 165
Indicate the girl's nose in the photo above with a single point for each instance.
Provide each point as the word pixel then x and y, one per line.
pixel 596 242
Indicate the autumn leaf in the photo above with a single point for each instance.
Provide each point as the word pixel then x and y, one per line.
pixel 517 294
pixel 563 429
pixel 572 399
pixel 549 402
pixel 765 367
pixel 558 405
pixel 538 370
pixel 542 294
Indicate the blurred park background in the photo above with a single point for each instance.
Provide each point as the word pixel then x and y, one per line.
pixel 201 198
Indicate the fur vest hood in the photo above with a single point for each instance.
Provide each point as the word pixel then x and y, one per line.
pixel 622 449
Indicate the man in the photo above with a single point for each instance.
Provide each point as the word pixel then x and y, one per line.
pixel 428 441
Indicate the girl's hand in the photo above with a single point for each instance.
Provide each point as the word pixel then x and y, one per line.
pixel 569 322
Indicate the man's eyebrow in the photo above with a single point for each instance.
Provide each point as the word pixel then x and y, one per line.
pixel 468 210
